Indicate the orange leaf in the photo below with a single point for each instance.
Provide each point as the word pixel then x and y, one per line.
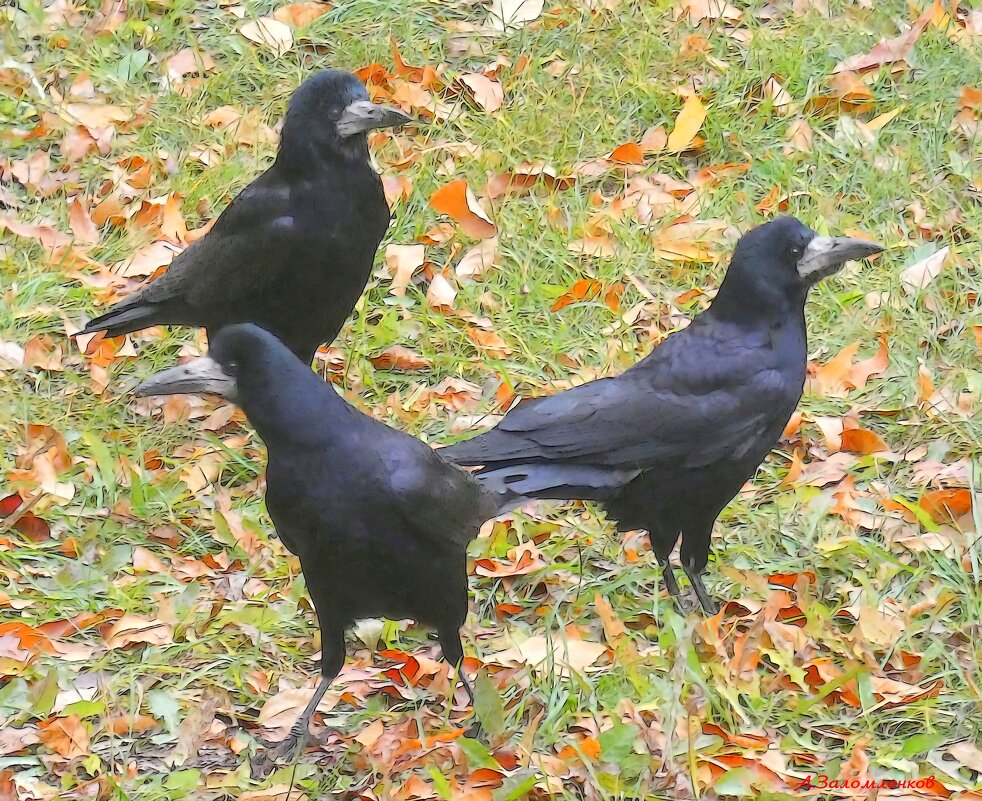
pixel 860 440
pixel 67 737
pixel 457 201
pixel 947 504
pixel 925 384
pixel 687 124
pixel 488 341
pixel 400 358
pixel 612 297
pixel 874 365
pixel 298 15
pixel 628 153
pixel 584 289
pixel 133 724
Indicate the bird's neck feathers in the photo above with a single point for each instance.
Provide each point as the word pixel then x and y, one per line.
pixel 292 407
pixel 751 301
pixel 306 147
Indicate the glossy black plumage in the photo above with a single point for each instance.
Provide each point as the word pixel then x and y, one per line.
pixel 379 520
pixel 294 250
pixel 665 446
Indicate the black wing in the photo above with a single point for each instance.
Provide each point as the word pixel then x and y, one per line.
pixel 695 398
pixel 439 501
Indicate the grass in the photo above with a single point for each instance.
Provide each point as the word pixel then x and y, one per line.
pixel 236 618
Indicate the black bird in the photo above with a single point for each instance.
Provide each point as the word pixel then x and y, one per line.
pixel 294 249
pixel 665 446
pixel 379 520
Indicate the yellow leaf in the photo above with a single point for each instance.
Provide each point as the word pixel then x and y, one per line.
pixel 687 124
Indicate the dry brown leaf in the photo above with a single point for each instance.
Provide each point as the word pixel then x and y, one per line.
pixel 68 736
pixel 398 357
pixel 402 261
pixel 556 651
pixel 799 137
pixel 136 629
pixel 46 234
pixel 441 293
pixel 149 259
pixel 832 378
pixel 478 261
pixel 505 14
pixel 81 223
pixel 489 341
pixel 280 711
pixel 96 117
pixel 849 88
pixel 689 241
pixel 863 441
pixel 628 153
pixel 968 754
pixel 299 15
pixel 270 33
pixel 188 62
pixel 947 504
pixel 458 202
pixel 920 274
pixel 488 93
pixel 887 51
pixel 687 124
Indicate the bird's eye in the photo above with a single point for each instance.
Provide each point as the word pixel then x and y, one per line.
pixel 796 251
pixel 232 367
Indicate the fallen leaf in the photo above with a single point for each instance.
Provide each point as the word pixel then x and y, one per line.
pixel 441 293
pixel 136 629
pixel 403 261
pixel 398 357
pixel 799 137
pixel 887 51
pixel 81 223
pixel 270 33
pixel 861 440
pixel 544 653
pixel 96 117
pixel 628 153
pixel 687 124
pixel 478 261
pixel 280 711
pixel 46 234
pixel 505 14
pixel 947 504
pixel 188 61
pixel 490 342
pixel 583 289
pixel 698 10
pixel 299 15
pixel 920 274
pixel 67 736
pixel 149 259
pixel 456 200
pixel 488 93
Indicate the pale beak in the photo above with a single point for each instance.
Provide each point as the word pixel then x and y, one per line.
pixel 826 255
pixel 364 115
pixel 202 376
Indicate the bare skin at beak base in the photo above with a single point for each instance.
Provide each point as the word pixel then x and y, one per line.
pixel 825 255
pixel 364 115
pixel 202 376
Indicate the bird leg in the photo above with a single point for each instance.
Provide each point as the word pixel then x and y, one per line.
pixel 453 652
pixel 668 578
pixel 710 607
pixel 332 660
pixel 299 731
